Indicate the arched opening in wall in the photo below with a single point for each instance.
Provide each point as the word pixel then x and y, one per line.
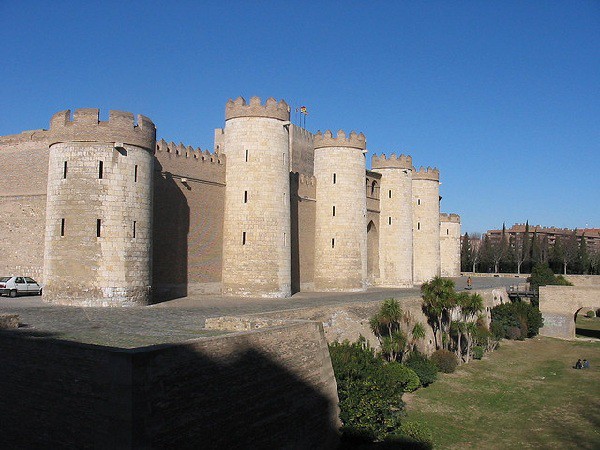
pixel 372 252
pixel 587 322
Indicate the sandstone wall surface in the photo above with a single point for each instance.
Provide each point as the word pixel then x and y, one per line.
pixel 23 180
pixel 340 223
pixel 257 232
pixel 189 198
pixel 449 245
pixel 271 388
pixel 559 304
pixel 426 227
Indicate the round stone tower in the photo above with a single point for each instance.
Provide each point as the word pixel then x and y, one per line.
pixel 98 237
pixel 396 220
pixel 450 245
pixel 340 223
pixel 426 224
pixel 256 230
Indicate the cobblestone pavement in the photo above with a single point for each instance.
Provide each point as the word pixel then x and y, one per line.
pixel 181 319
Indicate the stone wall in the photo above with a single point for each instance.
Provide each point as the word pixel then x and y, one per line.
pixel 584 280
pixel 24 173
pixel 450 245
pixel 396 220
pixel 559 305
pixel 426 224
pixel 340 223
pixel 257 232
pixel 189 197
pixel 264 389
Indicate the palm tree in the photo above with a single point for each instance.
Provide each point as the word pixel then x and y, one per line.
pixel 438 300
pixel 386 326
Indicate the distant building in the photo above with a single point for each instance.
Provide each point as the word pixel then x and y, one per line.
pixel 591 235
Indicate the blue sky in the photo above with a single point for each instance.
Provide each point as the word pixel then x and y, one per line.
pixel 503 97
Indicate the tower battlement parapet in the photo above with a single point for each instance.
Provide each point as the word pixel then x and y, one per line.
pixel 353 140
pixel 87 127
pixel 428 173
pixel 455 218
pixel 272 108
pixel 307 180
pixel 193 154
pixel 391 162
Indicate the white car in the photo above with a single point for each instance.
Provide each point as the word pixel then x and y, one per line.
pixel 14 286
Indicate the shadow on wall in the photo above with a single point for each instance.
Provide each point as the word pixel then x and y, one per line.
pixel 295 232
pixel 170 238
pixel 68 395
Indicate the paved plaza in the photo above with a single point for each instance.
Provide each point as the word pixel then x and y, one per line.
pixel 181 319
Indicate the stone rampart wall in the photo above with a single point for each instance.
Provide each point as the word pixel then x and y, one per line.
pixel 584 280
pixel 189 197
pixel 273 388
pixel 23 181
pixel 559 304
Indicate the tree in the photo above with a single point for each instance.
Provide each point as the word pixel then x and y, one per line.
pixel 465 254
pixel 386 327
pixel 536 251
pixel 583 257
pixel 522 245
pixel 438 300
pixel 571 249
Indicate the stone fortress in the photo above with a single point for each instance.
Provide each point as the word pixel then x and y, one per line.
pixel 105 215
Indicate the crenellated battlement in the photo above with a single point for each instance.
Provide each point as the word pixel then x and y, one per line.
pixel 429 173
pixel 307 180
pixel 353 140
pixel 193 154
pixel 391 162
pixel 454 218
pixel 272 108
pixel 86 126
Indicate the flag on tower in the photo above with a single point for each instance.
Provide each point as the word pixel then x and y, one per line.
pixel 303 110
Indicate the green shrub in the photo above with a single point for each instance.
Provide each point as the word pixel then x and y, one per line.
pixel 371 405
pixel 423 367
pixel 522 315
pixel 400 377
pixel 445 361
pixel 369 409
pixel 478 352
pixel 417 432
pixel 513 333
pixel 353 360
pixel 590 314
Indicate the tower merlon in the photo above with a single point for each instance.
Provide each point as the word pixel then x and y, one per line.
pixel 429 173
pixel 391 162
pixel 354 140
pixel 271 109
pixel 444 217
pixel 86 126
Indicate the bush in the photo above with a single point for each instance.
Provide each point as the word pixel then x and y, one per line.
pixel 478 352
pixel 400 378
pixel 369 409
pixel 590 314
pixel 521 315
pixel 423 367
pixel 513 333
pixel 355 361
pixel 445 361
pixel 417 432
pixel 371 405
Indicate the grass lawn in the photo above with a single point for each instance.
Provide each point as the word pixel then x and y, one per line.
pixel 587 326
pixel 524 395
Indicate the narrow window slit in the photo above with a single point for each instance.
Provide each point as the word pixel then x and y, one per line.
pixel 100 169
pixel 98 227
